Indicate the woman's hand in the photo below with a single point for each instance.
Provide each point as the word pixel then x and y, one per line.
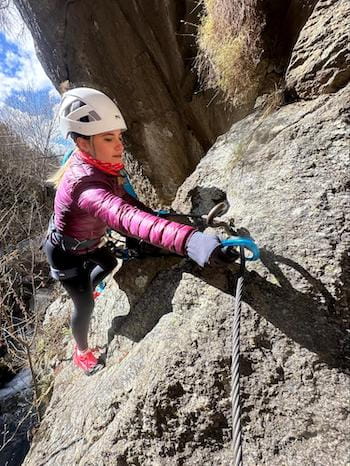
pixel 207 250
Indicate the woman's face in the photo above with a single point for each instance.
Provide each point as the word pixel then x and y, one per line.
pixel 107 147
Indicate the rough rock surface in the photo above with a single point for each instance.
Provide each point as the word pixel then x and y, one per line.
pixel 287 180
pixel 163 398
pixel 320 62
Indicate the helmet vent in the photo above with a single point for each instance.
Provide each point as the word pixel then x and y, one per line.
pixel 93 116
pixel 73 106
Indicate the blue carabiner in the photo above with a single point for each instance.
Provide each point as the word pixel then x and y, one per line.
pixel 245 242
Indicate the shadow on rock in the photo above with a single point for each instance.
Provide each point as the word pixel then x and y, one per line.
pixel 314 319
pixel 149 284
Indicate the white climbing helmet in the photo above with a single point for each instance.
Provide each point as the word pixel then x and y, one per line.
pixel 88 112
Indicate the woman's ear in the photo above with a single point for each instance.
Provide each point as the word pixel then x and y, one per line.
pixel 84 145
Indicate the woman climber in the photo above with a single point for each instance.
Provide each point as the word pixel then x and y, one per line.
pixel 89 199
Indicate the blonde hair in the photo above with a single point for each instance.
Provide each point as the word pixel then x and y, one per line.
pixel 57 176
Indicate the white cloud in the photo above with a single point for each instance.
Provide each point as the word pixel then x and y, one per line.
pixel 36 122
pixel 29 72
pixel 11 59
pixel 53 93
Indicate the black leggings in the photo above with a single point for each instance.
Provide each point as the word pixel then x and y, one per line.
pixel 92 268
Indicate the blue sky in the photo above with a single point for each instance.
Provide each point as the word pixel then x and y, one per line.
pixel 9 56
pixel 25 89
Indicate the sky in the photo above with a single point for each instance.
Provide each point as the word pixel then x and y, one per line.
pixel 27 95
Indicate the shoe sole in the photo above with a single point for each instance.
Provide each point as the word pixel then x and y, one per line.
pixel 95 369
pixel 99 366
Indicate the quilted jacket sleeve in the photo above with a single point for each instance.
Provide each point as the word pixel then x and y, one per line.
pixel 128 219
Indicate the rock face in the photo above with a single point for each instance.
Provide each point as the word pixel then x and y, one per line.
pixel 320 62
pixel 287 179
pixel 164 397
pixel 140 53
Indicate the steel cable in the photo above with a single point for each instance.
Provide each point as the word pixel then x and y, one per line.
pixel 235 398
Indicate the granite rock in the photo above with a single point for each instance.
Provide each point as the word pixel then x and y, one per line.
pixel 320 61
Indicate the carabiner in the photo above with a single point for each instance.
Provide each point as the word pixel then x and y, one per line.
pixel 245 242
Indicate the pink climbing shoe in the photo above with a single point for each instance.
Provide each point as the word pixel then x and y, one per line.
pixel 86 361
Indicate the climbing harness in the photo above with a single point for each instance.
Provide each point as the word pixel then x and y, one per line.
pixel 243 243
pixel 129 248
pixel 68 243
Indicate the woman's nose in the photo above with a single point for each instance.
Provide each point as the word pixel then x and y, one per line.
pixel 119 144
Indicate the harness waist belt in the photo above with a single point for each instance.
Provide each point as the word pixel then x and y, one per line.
pixel 68 243
pixel 64 274
pixel 72 244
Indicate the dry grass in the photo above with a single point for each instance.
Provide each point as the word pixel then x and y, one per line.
pixel 231 48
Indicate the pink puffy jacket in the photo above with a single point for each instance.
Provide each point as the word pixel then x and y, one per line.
pixel 88 201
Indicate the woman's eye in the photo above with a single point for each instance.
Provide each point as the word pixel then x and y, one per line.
pixel 108 140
